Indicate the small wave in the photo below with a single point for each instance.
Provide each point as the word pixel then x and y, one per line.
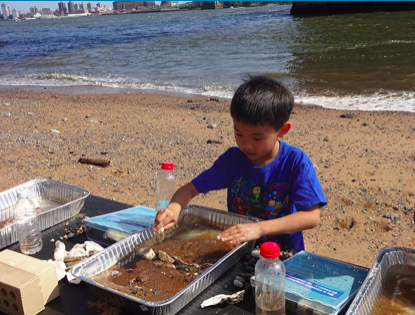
pixel 380 101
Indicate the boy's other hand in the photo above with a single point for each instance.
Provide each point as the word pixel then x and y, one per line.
pixel 240 233
pixel 165 218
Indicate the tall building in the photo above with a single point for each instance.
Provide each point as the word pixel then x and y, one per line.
pixel 45 11
pixel 89 5
pixel 62 7
pixel 128 5
pixel 76 6
pixel 15 14
pixel 99 5
pixel 5 11
pixel 71 7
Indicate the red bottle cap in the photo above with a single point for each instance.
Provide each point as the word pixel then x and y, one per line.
pixel 167 166
pixel 270 250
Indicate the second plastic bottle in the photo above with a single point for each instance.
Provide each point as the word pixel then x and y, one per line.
pixel 270 281
pixel 27 223
pixel 166 185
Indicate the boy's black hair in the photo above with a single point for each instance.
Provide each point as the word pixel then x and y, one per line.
pixel 262 101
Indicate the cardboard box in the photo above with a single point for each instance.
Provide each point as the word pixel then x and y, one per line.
pixel 20 292
pixel 45 271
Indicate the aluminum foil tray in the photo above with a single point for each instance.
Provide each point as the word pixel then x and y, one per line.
pixel 370 290
pixel 55 202
pixel 125 250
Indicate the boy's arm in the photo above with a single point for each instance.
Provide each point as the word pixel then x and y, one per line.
pixel 166 218
pixel 299 221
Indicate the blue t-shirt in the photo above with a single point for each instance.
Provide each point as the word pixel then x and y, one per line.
pixel 286 185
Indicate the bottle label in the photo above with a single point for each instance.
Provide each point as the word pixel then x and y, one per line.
pixel 162 205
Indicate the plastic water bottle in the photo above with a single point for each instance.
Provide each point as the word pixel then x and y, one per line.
pixel 27 224
pixel 270 281
pixel 166 185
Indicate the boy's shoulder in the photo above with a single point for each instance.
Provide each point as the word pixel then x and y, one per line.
pixel 293 153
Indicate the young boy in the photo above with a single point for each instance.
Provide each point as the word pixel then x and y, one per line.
pixel 265 178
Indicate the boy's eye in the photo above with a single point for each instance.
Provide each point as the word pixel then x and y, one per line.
pixel 257 139
pixel 238 135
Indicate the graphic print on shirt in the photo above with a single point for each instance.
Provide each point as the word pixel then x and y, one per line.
pixel 266 202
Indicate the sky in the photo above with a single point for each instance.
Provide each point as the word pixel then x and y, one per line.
pixel 23 6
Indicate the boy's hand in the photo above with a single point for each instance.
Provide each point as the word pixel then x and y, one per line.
pixel 240 233
pixel 165 218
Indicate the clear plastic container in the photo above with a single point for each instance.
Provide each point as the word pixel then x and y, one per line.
pixel 270 281
pixel 166 185
pixel 28 224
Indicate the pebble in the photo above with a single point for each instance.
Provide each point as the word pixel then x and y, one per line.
pixel 238 284
pixel 256 253
pixel 240 279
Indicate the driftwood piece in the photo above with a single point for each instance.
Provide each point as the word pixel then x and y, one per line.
pixel 98 162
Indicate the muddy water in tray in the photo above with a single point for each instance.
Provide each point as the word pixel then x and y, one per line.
pixel 153 280
pixel 397 293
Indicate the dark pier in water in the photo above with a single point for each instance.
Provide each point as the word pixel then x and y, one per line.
pixel 304 8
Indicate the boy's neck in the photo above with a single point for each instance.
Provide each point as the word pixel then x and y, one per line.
pixel 269 158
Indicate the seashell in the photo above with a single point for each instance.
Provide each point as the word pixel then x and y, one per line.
pixel 183 265
pixel 160 235
pixel 59 268
pixel 92 248
pixel 59 253
pixel 76 253
pixel 165 257
pixel 71 278
pixel 230 299
pixel 115 235
pixel 146 253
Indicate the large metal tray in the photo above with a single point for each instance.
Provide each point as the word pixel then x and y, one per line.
pixel 125 250
pixel 370 290
pixel 56 202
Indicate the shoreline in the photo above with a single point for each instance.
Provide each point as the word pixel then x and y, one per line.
pixel 365 161
pixel 105 90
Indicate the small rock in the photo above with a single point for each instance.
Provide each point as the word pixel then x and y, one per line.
pixel 64 119
pixel 212 99
pixel 213 142
pixel 212 126
pixel 238 284
pixel 256 253
pixel 55 132
pixel 240 279
pixel 349 116
pixel 52 240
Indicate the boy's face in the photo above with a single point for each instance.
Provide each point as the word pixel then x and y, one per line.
pixel 259 142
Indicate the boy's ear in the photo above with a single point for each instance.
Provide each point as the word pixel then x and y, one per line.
pixel 285 128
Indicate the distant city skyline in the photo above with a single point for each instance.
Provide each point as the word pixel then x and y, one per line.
pixel 24 6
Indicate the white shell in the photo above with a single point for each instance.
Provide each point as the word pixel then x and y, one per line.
pixel 92 248
pixel 76 253
pixel 146 253
pixel 71 278
pixel 160 235
pixel 59 268
pixel 115 235
pixel 59 253
pixel 165 257
pixel 230 299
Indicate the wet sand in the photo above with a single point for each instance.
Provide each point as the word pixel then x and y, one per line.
pixel 366 163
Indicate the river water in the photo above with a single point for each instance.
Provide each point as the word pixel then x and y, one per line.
pixel 353 61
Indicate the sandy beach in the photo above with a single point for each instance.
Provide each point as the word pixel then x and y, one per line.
pixel 365 160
